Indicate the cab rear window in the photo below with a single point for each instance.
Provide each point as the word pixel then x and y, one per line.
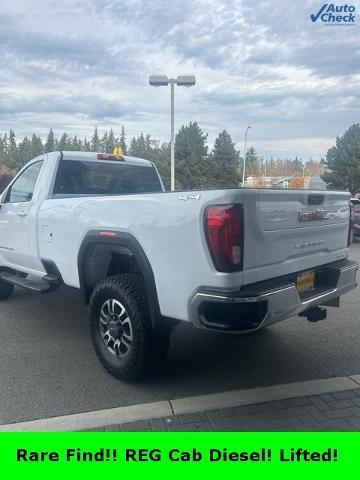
pixel 104 178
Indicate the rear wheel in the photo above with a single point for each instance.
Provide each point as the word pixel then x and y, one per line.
pixel 121 329
pixel 6 289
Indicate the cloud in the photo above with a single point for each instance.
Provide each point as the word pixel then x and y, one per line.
pixel 77 64
pixel 92 107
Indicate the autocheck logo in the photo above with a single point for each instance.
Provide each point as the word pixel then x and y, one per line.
pixel 331 14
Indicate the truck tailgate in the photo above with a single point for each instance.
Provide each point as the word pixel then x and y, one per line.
pixel 290 231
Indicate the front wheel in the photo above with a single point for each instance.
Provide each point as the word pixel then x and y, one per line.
pixel 6 289
pixel 121 330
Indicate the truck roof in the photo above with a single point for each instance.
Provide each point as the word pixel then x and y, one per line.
pixel 92 156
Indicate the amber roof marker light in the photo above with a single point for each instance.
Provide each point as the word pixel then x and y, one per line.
pixel 110 156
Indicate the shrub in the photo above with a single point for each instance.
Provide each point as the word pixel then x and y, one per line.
pixel 5 179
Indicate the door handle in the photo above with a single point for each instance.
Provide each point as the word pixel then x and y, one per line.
pixel 23 213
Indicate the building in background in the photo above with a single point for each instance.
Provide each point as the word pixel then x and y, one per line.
pixel 312 183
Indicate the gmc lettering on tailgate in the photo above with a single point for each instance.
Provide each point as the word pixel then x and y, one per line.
pixel 313 216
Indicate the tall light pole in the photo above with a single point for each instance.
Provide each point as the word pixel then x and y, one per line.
pixel 244 162
pixel 164 81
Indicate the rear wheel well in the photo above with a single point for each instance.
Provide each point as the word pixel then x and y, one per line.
pixel 100 258
pixel 102 261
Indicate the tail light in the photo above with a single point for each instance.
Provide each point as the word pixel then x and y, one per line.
pixel 224 229
pixel 351 225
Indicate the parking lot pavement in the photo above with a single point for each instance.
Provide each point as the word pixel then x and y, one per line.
pixel 331 404
pixel 330 412
pixel 48 367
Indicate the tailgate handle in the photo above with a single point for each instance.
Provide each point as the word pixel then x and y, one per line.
pixel 316 199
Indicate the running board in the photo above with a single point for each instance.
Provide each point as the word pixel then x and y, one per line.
pixel 39 286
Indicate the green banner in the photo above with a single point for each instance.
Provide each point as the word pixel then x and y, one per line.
pixel 178 455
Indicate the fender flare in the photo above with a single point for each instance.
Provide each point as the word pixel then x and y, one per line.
pixel 121 239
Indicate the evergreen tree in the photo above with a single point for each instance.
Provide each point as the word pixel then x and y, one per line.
pixel 12 150
pixel 190 157
pixel 141 146
pixel 86 145
pixel 194 168
pixel 24 152
pixel 4 156
pixel 251 166
pixel 2 150
pixel 50 142
pixel 122 142
pixel 111 142
pixel 95 141
pixel 76 144
pixel 37 147
pixel 138 147
pixel 148 143
pixel 63 142
pixel 104 142
pixel 151 148
pixel 223 164
pixel 133 147
pixel 297 165
pixel 343 162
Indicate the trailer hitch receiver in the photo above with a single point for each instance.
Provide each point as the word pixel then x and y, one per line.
pixel 314 314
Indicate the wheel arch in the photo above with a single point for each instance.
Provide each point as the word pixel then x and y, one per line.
pixel 105 253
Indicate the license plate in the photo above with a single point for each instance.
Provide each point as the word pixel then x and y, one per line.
pixel 305 282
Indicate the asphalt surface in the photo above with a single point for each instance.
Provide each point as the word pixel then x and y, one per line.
pixel 48 366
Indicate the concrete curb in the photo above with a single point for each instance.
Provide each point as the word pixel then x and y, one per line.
pixel 168 408
pixel 95 419
pixel 356 378
pixel 260 395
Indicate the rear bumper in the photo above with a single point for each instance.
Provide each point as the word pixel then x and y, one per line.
pixel 266 303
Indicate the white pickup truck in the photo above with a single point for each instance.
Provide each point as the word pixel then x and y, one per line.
pixel 232 260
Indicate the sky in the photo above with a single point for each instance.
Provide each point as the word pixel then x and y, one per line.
pixel 76 64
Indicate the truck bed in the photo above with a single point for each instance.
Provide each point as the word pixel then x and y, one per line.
pixel 170 229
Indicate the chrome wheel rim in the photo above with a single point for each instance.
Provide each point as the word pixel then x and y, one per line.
pixel 115 327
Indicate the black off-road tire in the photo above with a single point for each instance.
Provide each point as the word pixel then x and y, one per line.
pixel 147 348
pixel 6 289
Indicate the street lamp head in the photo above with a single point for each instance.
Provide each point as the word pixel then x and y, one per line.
pixel 186 80
pixel 158 80
pixel 163 80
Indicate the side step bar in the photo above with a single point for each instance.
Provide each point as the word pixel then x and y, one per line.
pixel 46 285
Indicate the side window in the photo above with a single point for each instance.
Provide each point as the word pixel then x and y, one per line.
pixel 22 189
